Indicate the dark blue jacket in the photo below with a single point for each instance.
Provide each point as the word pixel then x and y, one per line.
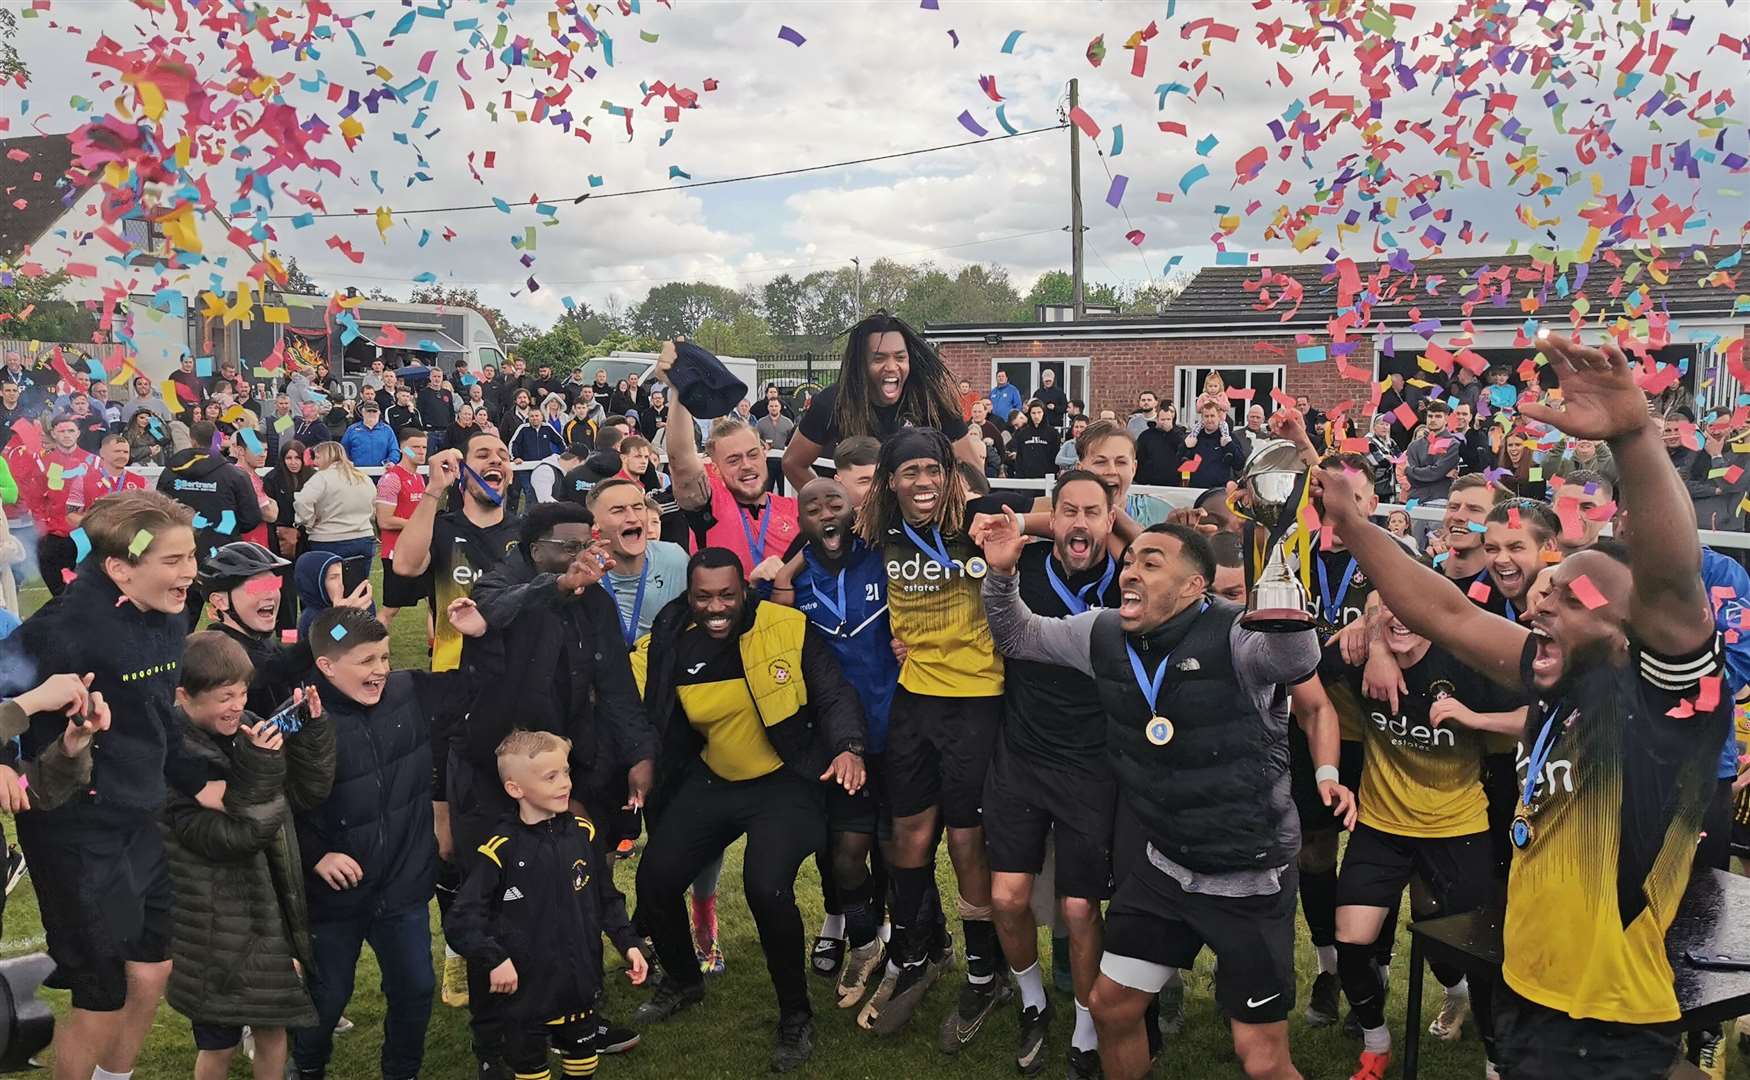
pixel 379 810
pixel 134 657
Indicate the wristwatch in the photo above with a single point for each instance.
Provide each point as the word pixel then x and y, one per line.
pixel 853 746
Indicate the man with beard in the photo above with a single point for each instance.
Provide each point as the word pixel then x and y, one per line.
pixel 1049 774
pixel 1196 731
pixel 840 583
pixel 550 661
pixel 945 717
pixel 1621 748
pixel 728 501
pixel 459 547
pixel 752 715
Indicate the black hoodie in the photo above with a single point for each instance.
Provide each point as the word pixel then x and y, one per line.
pixel 133 656
pixel 211 486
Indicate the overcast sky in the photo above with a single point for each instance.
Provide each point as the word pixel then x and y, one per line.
pixel 878 78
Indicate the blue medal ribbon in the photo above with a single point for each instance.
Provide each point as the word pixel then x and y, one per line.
pixel 1151 686
pixel 1333 609
pixel 838 610
pixel 629 629
pixel 485 489
pixel 756 551
pixel 1077 601
pixel 937 552
pixel 1540 752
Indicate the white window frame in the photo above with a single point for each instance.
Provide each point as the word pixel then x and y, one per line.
pixel 1067 381
pixel 1187 386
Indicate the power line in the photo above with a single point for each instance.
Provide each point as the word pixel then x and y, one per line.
pixel 772 270
pixel 686 187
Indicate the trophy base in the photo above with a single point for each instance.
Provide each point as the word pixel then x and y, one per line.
pixel 1277 620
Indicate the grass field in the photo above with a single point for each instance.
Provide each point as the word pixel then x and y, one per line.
pixel 730 1035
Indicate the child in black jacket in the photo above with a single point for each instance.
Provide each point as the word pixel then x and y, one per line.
pixel 531 912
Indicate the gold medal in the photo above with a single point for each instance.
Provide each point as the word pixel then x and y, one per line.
pixel 1159 730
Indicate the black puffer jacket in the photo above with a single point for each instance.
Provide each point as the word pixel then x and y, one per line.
pixel 379 811
pixel 240 916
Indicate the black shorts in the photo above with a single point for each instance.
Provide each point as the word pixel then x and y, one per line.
pixel 1315 816
pixel 1533 1042
pixel 1153 925
pixel 216 1036
pixel 867 810
pixel 105 897
pixel 400 591
pixel 1377 866
pixel 1714 852
pixel 1024 800
pixel 938 752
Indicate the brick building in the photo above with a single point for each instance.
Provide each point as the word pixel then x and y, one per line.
pixel 1219 323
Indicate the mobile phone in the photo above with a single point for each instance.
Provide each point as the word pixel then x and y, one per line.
pixel 355 570
pixel 289 717
pixel 1717 961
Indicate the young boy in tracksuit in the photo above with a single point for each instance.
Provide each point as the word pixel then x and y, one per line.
pixel 531 914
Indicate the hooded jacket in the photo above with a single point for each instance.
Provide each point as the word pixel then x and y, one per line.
pixel 279 668
pixel 241 917
pixel 307 575
pixel 552 663
pixel 134 657
pixel 213 488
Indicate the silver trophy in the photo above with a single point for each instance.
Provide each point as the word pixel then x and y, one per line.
pixel 1272 484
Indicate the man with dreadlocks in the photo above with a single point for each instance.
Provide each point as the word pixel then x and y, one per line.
pixel 890 379
pixel 943 722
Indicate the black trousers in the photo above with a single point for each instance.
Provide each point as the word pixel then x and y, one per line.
pixel 783 817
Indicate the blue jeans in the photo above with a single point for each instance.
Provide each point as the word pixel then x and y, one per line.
pixel 402 943
pixel 364 546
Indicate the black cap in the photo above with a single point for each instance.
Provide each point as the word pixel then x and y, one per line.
pixel 704 385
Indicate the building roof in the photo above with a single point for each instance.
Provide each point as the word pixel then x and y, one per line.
pixel 32 168
pixel 1226 299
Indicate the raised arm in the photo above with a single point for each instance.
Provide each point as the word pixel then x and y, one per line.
pixel 1668 607
pixel 1423 599
pixel 692 488
pixel 413 549
pixel 799 455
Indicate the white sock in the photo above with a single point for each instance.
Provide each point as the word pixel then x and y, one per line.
pixel 1327 959
pixel 1459 989
pixel 1032 987
pixel 1084 1037
pixel 1376 1040
pixel 886 931
pixel 833 926
pixel 101 1073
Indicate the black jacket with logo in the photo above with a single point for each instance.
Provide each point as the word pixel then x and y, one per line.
pixel 533 895
pixel 211 486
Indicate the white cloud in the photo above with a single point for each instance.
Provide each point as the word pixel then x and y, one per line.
pixel 873 78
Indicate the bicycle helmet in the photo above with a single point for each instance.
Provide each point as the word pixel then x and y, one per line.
pixel 235 563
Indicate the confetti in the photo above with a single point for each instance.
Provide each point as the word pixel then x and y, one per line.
pixel 138 545
pixel 1587 593
pixel 338 632
pixel 967 122
pixel 787 34
pixel 1479 592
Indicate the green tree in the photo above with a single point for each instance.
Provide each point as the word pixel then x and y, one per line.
pixel 591 325
pixel 679 307
pixel 50 318
pixel 1057 287
pixel 561 347
pixel 786 302
pixel 299 283
pixel 745 335
pixel 12 67
pixel 830 302
pixel 457 297
pixel 887 283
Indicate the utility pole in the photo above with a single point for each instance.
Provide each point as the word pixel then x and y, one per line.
pixel 858 263
pixel 1078 298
